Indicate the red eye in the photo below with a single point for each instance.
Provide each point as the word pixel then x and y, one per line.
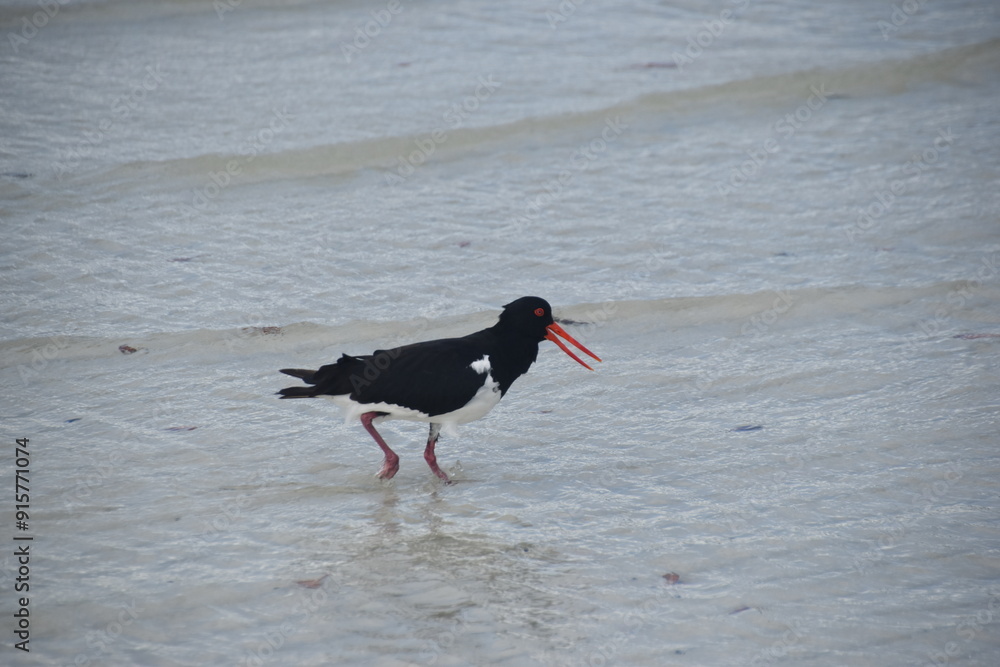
pixel 539 311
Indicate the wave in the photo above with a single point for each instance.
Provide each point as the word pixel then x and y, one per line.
pixel 14 13
pixel 389 154
pixel 808 304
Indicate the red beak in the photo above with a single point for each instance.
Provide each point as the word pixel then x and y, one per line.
pixel 554 330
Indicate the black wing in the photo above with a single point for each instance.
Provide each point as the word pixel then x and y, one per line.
pixel 434 377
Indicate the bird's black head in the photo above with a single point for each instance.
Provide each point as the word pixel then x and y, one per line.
pixel 531 317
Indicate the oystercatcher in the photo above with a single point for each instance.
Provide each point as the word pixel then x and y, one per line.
pixel 444 382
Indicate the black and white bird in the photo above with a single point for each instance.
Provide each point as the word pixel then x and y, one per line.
pixel 443 382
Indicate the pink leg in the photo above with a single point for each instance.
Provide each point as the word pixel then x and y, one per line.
pixel 391 463
pixel 432 439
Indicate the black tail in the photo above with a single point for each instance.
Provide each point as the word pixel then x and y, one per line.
pixel 298 392
pixel 303 373
pixel 333 379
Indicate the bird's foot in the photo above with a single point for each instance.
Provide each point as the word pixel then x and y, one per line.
pixel 432 462
pixel 431 458
pixel 389 469
pixel 441 473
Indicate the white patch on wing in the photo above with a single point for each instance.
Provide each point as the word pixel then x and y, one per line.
pixel 482 366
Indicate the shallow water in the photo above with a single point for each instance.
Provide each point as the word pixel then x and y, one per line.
pixel 784 246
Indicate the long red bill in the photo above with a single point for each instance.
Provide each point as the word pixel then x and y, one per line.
pixel 554 330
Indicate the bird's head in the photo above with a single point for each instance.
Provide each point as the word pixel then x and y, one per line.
pixel 532 316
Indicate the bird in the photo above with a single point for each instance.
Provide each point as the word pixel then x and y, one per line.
pixel 443 382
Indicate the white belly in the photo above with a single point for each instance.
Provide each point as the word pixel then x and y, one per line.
pixel 484 400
